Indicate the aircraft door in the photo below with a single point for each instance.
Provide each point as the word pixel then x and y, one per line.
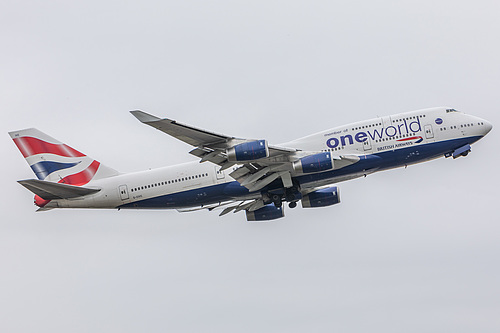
pixel 123 192
pixel 429 134
pixel 463 130
pixel 219 174
pixel 367 145
pixel 386 121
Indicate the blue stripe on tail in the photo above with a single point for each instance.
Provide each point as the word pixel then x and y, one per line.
pixel 45 168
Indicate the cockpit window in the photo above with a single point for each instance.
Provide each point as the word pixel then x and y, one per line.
pixel 451 110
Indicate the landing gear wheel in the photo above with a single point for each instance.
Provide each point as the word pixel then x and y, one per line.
pixel 291 193
pixel 276 200
pixel 292 204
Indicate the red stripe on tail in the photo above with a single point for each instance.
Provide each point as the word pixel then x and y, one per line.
pixel 30 146
pixel 83 177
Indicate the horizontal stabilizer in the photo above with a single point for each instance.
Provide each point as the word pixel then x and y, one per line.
pixel 54 191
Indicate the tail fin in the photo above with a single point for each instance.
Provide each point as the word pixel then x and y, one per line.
pixel 52 160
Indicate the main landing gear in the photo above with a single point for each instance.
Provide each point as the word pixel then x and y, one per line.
pixel 291 195
pixel 276 198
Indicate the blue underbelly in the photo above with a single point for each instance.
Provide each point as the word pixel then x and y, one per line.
pixel 192 198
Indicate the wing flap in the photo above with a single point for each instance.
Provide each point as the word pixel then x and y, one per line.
pixel 53 191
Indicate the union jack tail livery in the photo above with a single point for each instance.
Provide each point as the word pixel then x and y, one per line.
pixel 55 162
pixel 52 160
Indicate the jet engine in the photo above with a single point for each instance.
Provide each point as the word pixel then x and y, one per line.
pixel 248 151
pixel 321 198
pixel 314 163
pixel 266 213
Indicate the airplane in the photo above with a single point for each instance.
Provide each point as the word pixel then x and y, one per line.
pixel 252 175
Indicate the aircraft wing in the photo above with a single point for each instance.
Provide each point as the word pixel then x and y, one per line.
pixel 254 174
pixel 195 136
pixel 191 135
pixel 213 147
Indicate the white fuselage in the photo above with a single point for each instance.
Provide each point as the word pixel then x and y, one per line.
pixel 381 143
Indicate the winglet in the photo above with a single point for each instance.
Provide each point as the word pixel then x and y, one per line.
pixel 144 117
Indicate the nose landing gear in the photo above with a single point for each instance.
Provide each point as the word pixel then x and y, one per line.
pixel 462 151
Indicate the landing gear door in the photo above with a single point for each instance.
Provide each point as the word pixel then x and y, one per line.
pixel 123 192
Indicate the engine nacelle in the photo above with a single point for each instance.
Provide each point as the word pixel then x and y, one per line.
pixel 266 213
pixel 321 198
pixel 314 163
pixel 248 151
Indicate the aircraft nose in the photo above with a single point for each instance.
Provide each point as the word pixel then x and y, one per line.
pixel 487 127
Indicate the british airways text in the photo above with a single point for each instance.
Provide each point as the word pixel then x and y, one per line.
pixel 376 134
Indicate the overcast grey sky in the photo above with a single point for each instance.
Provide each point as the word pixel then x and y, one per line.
pixel 412 250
